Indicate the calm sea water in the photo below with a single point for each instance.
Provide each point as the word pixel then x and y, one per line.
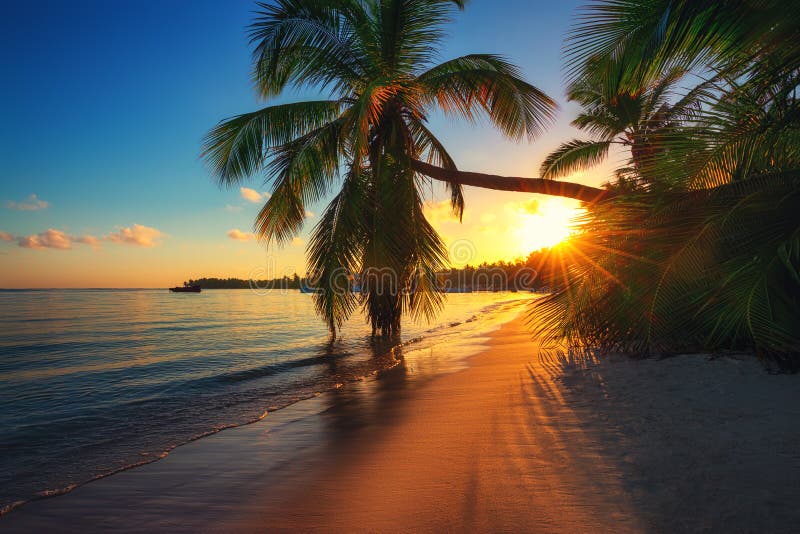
pixel 94 381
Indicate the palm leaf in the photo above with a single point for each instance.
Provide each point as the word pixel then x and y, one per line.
pixel 336 250
pixel 238 147
pixel 573 156
pixel 305 42
pixel 302 171
pixel 435 153
pixel 488 82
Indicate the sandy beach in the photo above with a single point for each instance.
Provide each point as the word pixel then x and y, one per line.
pixel 511 443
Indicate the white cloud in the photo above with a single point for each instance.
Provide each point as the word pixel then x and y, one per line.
pixel 32 203
pixel 440 212
pixel 238 235
pixel 251 195
pixel 309 214
pixel 50 238
pixel 232 209
pixel 138 235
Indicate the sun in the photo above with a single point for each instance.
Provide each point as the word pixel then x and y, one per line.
pixel 544 223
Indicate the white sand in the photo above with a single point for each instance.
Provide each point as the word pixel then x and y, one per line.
pixel 699 443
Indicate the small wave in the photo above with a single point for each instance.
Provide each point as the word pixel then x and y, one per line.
pixel 275 368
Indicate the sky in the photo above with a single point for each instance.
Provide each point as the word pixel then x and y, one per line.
pixel 104 107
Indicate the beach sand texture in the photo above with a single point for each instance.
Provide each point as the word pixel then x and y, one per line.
pixel 512 443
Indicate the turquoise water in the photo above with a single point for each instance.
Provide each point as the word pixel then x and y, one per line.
pixel 94 381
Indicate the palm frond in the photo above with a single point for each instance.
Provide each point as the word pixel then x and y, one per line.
pixel 488 82
pixel 237 148
pixel 685 271
pixel 434 152
pixel 336 250
pixel 302 171
pixel 410 31
pixel 573 156
pixel 601 122
pixel 305 42
pixel 651 36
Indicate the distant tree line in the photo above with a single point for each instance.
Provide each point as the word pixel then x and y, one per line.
pixel 285 282
pixel 534 272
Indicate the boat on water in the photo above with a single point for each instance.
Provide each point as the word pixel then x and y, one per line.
pixel 306 289
pixel 186 289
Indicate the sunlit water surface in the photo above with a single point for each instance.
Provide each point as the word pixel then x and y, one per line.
pixel 94 381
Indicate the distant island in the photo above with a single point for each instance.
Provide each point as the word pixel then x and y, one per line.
pixel 529 273
pixel 286 282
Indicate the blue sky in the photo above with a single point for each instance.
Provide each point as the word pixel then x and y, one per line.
pixel 105 104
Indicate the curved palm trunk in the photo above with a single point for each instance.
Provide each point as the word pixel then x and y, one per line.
pixel 581 192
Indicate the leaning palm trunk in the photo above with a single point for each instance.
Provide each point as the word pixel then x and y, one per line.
pixel 541 186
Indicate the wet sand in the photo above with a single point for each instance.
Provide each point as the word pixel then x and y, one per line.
pixel 511 443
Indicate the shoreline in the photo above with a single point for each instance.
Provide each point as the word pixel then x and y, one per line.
pixel 449 364
pixel 378 356
pixel 507 442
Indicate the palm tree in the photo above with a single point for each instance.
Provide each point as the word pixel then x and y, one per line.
pixel 376 60
pixel 713 261
pixel 634 119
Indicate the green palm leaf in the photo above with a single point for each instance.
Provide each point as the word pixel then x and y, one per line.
pixel 482 81
pixel 238 147
pixel 302 170
pixel 573 156
pixel 336 250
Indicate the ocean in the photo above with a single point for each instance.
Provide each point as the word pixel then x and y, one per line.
pixel 96 381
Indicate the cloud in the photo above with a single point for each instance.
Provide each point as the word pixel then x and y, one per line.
pixel 32 203
pixel 50 238
pixel 251 195
pixel 298 242
pixel 138 235
pixel 87 240
pixel 440 212
pixel 232 209
pixel 238 235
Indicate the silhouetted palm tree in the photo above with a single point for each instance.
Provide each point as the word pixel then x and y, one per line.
pixel 711 260
pixel 376 58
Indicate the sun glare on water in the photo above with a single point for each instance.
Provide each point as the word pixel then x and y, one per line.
pixel 545 223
